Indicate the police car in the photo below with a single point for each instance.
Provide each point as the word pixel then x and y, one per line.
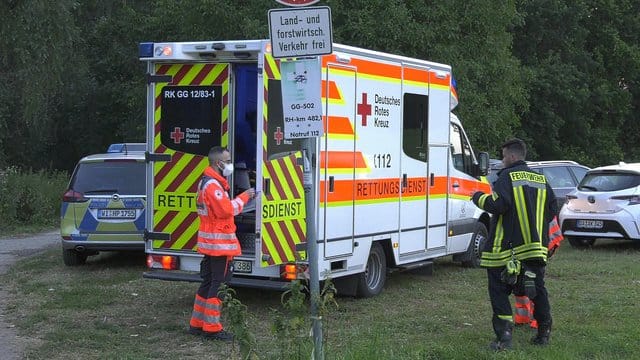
pixel 103 208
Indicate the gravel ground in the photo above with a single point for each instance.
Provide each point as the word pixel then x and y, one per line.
pixel 11 250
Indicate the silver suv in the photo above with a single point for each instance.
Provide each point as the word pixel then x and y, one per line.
pixel 562 175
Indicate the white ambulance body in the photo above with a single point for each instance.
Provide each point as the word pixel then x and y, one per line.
pixel 390 177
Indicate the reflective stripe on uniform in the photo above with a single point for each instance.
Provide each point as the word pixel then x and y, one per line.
pixel 212 315
pixel 523 216
pixel 216 236
pixel 219 247
pixel 237 205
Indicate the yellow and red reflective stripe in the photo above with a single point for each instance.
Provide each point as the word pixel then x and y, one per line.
pixel 393 71
pixel 340 126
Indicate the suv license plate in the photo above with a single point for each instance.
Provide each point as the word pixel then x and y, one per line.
pixel 116 214
pixel 590 224
pixel 242 266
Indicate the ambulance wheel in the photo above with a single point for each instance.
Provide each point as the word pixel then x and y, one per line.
pixel 479 238
pixel 580 242
pixel 371 281
pixel 73 258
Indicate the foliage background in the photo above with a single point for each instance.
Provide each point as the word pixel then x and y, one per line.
pixel 563 75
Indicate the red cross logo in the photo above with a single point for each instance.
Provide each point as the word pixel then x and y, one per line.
pixel 364 109
pixel 177 135
pixel 278 136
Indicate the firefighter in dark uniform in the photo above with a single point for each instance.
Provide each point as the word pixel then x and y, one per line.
pixel 522 205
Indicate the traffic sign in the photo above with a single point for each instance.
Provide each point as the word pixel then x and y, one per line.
pixel 297 2
pixel 301 103
pixel 300 32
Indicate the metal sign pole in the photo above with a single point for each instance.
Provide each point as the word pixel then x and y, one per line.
pixel 312 248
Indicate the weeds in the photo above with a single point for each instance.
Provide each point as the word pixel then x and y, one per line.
pixel 291 326
pixel 236 317
pixel 30 199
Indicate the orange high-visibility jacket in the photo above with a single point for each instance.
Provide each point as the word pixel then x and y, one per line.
pixel 555 235
pixel 217 232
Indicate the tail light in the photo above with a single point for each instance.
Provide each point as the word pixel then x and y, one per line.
pixel 294 271
pixel 569 198
pixel 166 262
pixel 73 196
pixel 632 199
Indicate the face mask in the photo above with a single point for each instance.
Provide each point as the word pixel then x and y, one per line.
pixel 227 170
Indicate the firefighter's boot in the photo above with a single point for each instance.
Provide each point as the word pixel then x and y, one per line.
pixel 504 333
pixel 542 338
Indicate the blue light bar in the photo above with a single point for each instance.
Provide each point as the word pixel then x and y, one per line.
pixel 145 49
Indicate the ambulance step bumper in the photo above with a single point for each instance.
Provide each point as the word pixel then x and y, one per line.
pixel 426 267
pixel 236 281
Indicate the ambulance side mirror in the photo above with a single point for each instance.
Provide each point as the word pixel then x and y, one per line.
pixel 483 163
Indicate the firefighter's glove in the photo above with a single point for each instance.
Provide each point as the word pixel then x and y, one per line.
pixel 530 284
pixel 551 252
pixel 510 273
pixel 475 197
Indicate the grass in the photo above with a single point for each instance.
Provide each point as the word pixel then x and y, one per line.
pixel 106 310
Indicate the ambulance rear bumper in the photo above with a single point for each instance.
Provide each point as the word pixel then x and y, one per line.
pixel 236 281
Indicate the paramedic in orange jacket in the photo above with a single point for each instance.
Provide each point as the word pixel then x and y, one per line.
pixel 216 241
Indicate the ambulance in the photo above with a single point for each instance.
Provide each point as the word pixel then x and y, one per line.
pixel 385 183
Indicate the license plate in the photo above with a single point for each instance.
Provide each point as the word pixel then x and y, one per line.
pixel 242 266
pixel 590 224
pixel 116 214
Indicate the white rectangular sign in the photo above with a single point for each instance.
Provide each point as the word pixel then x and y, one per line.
pixel 300 32
pixel 301 104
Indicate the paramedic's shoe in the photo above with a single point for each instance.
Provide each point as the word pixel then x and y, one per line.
pixel 195 331
pixel 220 335
pixel 542 338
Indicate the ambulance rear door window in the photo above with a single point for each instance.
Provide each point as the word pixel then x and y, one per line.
pixel 190 118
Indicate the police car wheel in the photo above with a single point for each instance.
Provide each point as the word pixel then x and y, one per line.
pixel 371 281
pixel 73 258
pixel 580 242
pixel 479 238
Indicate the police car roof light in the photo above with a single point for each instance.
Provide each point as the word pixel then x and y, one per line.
pixel 145 49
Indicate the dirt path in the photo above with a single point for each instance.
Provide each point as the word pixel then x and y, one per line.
pixel 11 250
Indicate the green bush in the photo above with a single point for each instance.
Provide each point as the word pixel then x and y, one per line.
pixel 30 200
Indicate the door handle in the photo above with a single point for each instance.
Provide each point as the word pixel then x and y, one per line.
pixel 267 186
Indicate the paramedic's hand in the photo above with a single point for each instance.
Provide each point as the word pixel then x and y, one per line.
pixel 251 192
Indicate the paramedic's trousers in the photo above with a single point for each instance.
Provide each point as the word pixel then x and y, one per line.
pixel 214 270
pixel 499 295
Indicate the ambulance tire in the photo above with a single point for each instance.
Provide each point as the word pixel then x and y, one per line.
pixel 371 281
pixel 73 258
pixel 479 238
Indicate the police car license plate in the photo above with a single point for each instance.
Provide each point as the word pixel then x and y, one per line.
pixel 242 266
pixel 116 214
pixel 590 224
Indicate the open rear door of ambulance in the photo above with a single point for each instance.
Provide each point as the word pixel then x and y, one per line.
pixel 190 115
pixel 282 214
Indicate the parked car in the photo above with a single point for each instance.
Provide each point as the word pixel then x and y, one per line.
pixel 604 205
pixel 563 175
pixel 103 208
pixel 126 147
